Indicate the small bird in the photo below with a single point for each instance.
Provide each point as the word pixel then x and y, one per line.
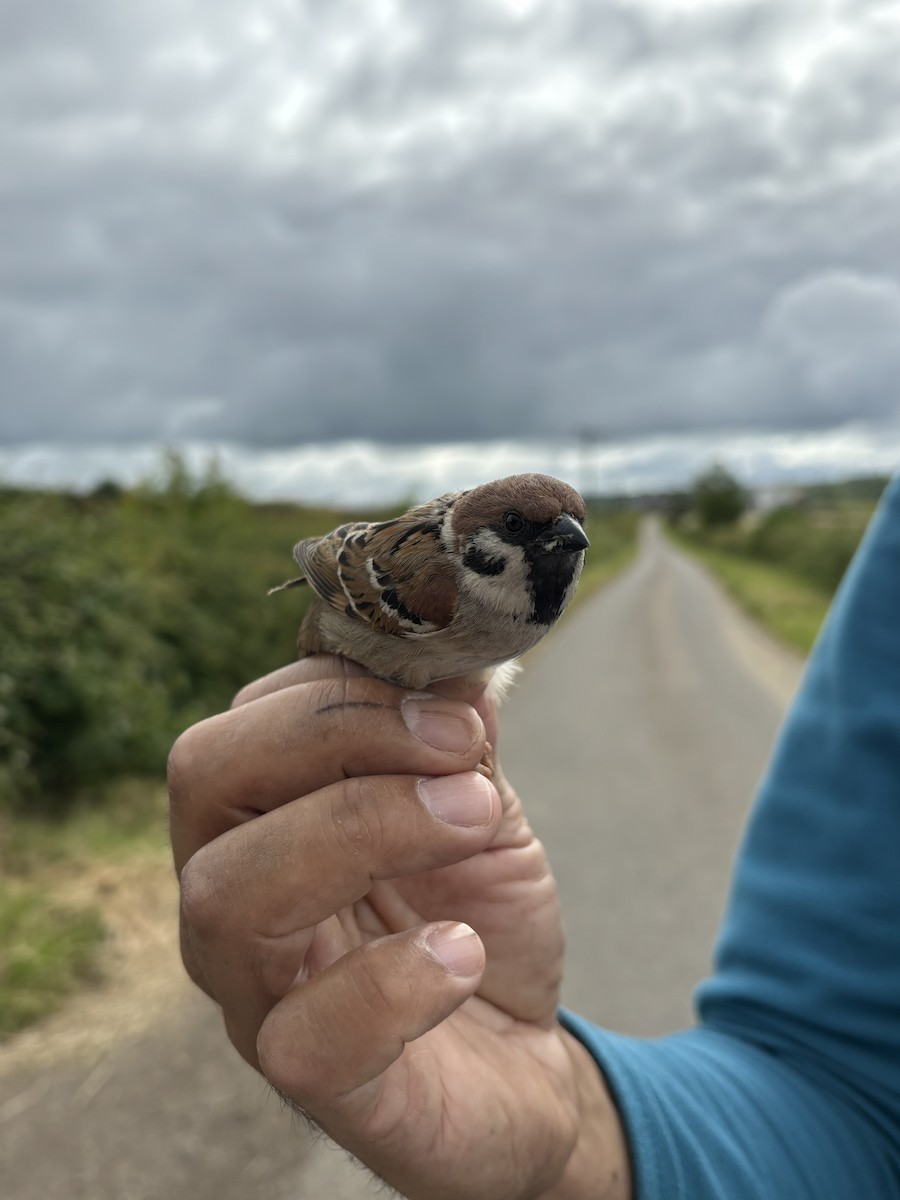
pixel 461 585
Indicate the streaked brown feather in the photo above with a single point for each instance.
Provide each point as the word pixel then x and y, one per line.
pixel 391 574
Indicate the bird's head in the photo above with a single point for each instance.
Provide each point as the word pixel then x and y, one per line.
pixel 520 542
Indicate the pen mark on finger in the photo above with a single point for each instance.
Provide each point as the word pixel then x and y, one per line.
pixel 327 708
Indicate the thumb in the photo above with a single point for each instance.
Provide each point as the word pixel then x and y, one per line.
pixel 327 1045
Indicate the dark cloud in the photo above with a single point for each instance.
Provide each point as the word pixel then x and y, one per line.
pixel 422 221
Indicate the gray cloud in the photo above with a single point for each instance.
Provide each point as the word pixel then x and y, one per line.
pixel 426 221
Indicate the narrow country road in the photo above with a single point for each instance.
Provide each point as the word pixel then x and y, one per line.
pixel 636 738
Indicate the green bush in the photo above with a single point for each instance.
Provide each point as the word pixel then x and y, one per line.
pixel 817 549
pixel 814 539
pixel 123 618
pixel 77 663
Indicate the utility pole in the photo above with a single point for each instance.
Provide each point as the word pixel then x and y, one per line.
pixel 589 438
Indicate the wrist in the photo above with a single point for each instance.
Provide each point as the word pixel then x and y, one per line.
pixel 599 1164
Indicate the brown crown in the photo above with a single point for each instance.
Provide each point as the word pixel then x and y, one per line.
pixel 538 498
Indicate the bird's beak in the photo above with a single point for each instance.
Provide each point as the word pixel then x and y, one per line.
pixel 565 536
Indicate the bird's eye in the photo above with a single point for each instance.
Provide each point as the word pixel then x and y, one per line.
pixel 514 522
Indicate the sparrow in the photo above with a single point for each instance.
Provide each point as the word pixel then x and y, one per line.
pixel 461 585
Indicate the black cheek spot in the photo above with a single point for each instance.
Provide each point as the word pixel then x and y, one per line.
pixel 481 563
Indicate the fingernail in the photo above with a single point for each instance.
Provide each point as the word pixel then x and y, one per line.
pixel 443 724
pixel 457 947
pixel 458 799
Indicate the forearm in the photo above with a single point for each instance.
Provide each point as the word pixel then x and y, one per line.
pixel 709 1117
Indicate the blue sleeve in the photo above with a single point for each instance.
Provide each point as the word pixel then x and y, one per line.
pixel 789 1088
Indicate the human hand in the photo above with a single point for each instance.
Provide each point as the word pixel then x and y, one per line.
pixel 328 854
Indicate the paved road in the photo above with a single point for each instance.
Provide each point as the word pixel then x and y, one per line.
pixel 637 737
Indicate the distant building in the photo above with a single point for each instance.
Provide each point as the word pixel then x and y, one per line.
pixel 766 499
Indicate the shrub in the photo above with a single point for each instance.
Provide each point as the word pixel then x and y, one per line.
pixel 125 618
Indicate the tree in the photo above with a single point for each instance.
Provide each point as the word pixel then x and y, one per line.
pixel 717 497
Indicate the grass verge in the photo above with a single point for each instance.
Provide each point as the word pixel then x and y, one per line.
pixel 49 948
pixel 46 952
pixel 787 606
pixel 129 815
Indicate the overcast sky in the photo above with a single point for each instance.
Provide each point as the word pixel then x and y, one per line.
pixel 275 221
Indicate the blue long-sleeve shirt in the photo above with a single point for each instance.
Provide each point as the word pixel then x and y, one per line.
pixel 789 1087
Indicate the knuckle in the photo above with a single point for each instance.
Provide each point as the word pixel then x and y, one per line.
pixel 201 901
pixel 357 817
pixel 271 1057
pixel 375 990
pixel 180 763
pixel 291 1064
pixel 248 692
pixel 190 959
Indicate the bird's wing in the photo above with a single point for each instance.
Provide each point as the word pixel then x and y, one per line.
pixel 395 575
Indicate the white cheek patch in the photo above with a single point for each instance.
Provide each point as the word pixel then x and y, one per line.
pixel 508 592
pixel 491 546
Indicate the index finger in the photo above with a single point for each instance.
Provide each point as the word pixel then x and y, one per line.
pixel 473 689
pixel 304 670
pixel 234 766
